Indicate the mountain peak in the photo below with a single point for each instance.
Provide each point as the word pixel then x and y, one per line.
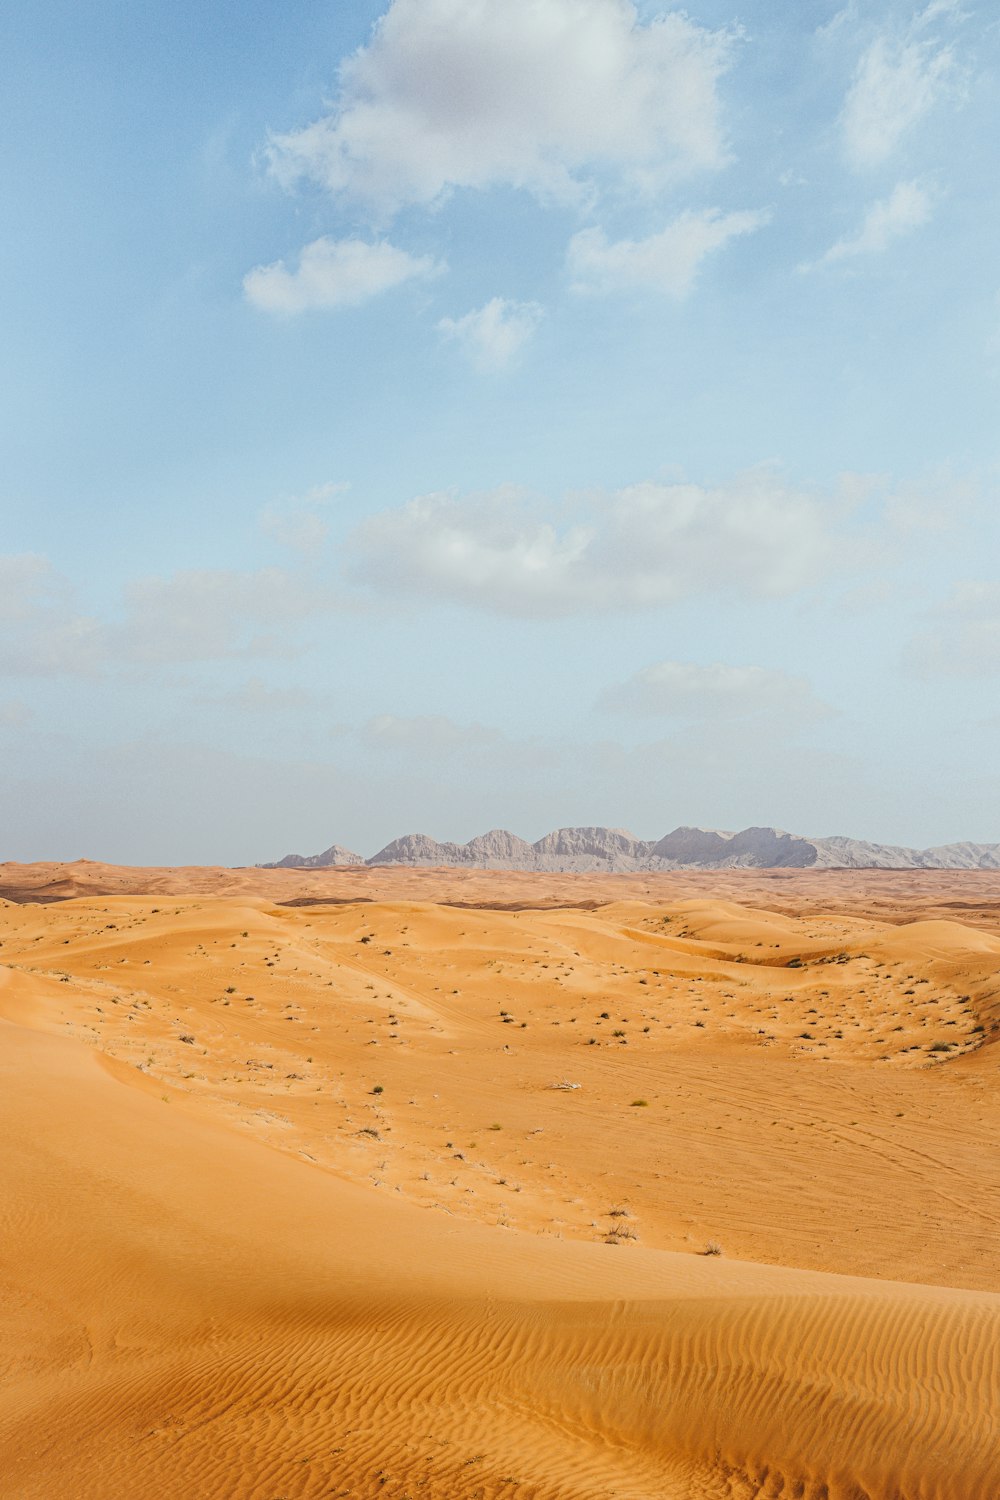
pixel 685 848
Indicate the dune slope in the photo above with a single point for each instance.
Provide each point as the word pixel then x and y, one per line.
pixel 215 1283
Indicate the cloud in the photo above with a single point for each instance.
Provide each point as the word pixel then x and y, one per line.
pixel 544 95
pixel 196 614
pixel 28 583
pixel 898 80
pixel 334 273
pixel 44 634
pixel 907 208
pixel 965 639
pixel 493 336
pixel 646 545
pixel 686 690
pixel 666 262
pixel 297 523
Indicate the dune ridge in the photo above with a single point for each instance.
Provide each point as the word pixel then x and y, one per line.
pixel 296 1206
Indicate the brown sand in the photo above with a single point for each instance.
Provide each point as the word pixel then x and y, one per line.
pixel 296 1203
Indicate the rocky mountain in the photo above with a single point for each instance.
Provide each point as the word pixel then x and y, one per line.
pixel 335 855
pixel 611 849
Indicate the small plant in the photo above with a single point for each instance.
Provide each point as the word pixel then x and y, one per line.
pixel 496 1127
pixel 378 1089
pixel 619 1232
pixel 712 1248
pixel 639 1104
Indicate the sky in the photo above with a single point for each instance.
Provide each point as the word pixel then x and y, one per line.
pixel 440 415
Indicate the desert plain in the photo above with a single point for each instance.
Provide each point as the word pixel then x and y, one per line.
pixel 462 1185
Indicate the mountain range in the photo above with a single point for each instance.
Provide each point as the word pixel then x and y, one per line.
pixel 613 849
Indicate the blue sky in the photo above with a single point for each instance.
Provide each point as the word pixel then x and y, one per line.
pixel 447 414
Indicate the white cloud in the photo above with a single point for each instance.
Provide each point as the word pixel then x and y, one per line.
pixel 907 208
pixel 965 638
pixel 492 336
pixel 646 545
pixel 334 273
pixel 898 80
pixel 535 94
pixel 686 690
pixel 666 262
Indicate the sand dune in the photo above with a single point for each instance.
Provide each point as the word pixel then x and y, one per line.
pixel 972 896
pixel 296 1203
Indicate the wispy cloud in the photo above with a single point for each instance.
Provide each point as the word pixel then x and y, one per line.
pixel 334 273
pixel 45 633
pixel 898 81
pixel 299 522
pixel 193 615
pixel 964 639
pixel 907 208
pixel 210 614
pixel 689 690
pixel 493 336
pixel 537 94
pixel 28 584
pixel 665 262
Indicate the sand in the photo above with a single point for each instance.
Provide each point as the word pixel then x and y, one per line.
pixel 399 1183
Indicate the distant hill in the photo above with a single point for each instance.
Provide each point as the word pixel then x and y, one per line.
pixel 611 849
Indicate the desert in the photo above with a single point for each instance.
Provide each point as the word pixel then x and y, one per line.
pixel 499 750
pixel 474 1184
